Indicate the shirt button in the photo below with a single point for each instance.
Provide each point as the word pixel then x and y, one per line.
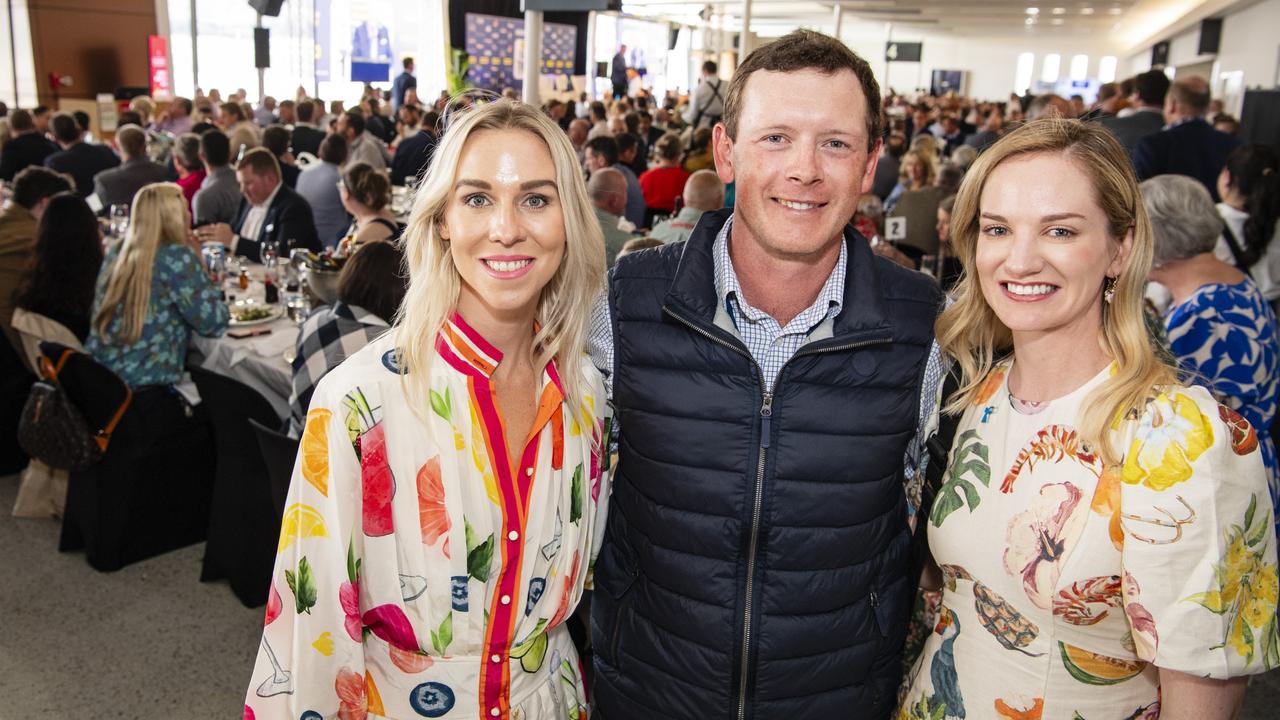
pixel 496 658
pixel 513 536
pixel 506 600
pixel 495 712
pixel 528 471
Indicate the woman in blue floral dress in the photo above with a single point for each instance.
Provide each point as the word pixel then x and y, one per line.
pixel 1220 327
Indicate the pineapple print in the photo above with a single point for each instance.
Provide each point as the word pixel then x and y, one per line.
pixel 1008 626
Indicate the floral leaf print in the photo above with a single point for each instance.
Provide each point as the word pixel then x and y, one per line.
pixel 359 417
pixel 924 709
pixel 432 513
pixel 1037 539
pixel 990 385
pixel 1106 502
pixel 570 582
pixel 324 644
pixel 410 663
pixel 1171 435
pixel 1244 439
pixel 479 555
pixel 1019 709
pixel 349 596
pixel 303 585
pixel 1088 602
pixel 1094 669
pixel 575 496
pixel 314 449
pixel 1146 640
pixel 969 458
pixel 1052 444
pixel 389 623
pixel 352 694
pixel 532 651
pixel 1248 588
pixel 573 696
pixel 441 405
pixel 442 637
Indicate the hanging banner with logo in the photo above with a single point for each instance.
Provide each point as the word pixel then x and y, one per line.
pixel 158 65
pixel 496 47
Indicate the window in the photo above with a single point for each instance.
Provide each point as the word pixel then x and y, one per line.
pixel 1022 75
pixel 1049 71
pixel 1079 67
pixel 1107 69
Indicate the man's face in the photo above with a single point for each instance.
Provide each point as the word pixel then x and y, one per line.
pixel 287 116
pixel 595 161
pixel 256 188
pixel 340 127
pixel 42 121
pixel 799 166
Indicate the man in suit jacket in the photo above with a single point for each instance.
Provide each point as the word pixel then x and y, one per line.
pixel 27 147
pixel 413 154
pixel 77 158
pixel 306 136
pixel 1189 146
pixel 404 82
pixel 618 73
pixel 1148 96
pixel 117 186
pixel 270 211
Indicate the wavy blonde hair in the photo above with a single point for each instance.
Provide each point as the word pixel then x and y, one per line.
pixel 158 217
pixel 927 163
pixel 970 332
pixel 434 283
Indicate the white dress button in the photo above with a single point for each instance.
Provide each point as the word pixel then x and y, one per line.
pixel 528 471
pixel 513 536
pixel 496 658
pixel 495 712
pixel 506 599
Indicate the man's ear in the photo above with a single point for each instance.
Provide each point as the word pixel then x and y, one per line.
pixel 722 152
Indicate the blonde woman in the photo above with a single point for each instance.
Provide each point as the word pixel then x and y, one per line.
pixel 449 493
pixel 1104 533
pixel 917 171
pixel 152 293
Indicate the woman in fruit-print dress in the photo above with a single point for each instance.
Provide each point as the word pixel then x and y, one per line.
pixel 1103 531
pixel 449 490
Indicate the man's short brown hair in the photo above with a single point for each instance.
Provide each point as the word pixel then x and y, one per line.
pixel 261 161
pixel 1192 94
pixel 804 50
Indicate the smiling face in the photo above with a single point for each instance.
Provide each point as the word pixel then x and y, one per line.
pixel 1044 247
pixel 504 223
pixel 799 167
pixel 914 170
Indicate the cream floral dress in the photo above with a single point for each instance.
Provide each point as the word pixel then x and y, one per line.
pixel 1068 584
pixel 421 574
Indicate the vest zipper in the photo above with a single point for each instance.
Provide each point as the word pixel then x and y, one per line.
pixel 766 414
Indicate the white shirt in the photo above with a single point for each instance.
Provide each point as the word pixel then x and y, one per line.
pixel 257 213
pixel 1266 271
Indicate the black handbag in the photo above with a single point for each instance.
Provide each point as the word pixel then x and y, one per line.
pixel 54 431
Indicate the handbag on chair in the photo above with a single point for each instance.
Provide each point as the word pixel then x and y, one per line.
pixel 54 431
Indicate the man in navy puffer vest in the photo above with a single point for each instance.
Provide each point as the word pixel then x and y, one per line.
pixel 774 380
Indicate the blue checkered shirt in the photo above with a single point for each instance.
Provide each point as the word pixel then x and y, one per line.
pixel 772 345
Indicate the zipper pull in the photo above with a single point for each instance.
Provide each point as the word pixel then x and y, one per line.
pixel 875 601
pixel 766 412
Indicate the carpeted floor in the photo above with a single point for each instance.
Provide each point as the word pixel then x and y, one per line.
pixel 151 641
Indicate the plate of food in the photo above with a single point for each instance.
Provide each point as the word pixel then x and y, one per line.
pixel 252 312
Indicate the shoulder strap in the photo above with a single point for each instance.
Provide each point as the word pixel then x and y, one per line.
pixel 715 93
pixel 1236 251
pixel 940 442
pixel 48 370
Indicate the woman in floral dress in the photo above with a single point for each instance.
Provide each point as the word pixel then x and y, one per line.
pixel 1104 534
pixel 449 490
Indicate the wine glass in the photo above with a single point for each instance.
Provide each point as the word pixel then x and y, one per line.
pixel 270 254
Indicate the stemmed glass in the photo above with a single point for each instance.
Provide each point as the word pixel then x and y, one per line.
pixel 119 219
pixel 270 254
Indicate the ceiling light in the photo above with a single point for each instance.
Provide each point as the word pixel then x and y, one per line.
pixel 1033 11
pixel 1031 21
pixel 1057 21
pixel 1059 11
pixel 1086 11
pixel 1115 11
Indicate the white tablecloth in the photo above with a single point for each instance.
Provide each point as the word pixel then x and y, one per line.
pixel 257 361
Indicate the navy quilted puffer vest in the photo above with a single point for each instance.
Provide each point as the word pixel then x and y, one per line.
pixel 754 564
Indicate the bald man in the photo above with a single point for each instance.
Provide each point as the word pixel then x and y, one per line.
pixel 1050 106
pixel 1188 145
pixel 578 130
pixel 608 190
pixel 703 192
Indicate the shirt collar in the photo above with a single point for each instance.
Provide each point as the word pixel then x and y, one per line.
pixel 462 345
pixel 272 197
pixel 828 303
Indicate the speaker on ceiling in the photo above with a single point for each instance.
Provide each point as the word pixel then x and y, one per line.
pixel 1160 54
pixel 270 8
pixel 1210 36
pixel 261 48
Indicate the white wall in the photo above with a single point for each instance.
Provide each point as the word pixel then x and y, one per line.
pixel 990 61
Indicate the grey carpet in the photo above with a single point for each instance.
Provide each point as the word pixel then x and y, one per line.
pixel 151 641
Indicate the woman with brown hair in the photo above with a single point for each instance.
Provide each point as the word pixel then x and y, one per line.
pixel 366 194
pixel 1104 532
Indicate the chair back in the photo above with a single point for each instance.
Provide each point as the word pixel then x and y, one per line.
pixel 278 453
pixel 34 328
pixel 91 386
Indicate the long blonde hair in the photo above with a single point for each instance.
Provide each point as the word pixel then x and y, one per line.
pixel 970 332
pixel 158 217
pixel 434 283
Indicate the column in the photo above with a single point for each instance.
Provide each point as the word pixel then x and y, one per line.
pixel 532 56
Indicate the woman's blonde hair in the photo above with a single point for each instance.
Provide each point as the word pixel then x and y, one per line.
pixel 970 332
pixel 158 217
pixel 926 161
pixel 434 283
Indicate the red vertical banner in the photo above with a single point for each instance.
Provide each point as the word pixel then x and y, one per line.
pixel 158 63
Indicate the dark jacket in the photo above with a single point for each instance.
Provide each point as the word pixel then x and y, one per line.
pixel 306 139
pixel 22 152
pixel 288 222
pixel 83 161
pixel 413 154
pixel 289 174
pixel 118 185
pixel 1132 128
pixel 756 550
pixel 403 82
pixel 1192 148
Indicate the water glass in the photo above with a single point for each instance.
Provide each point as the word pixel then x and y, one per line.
pixel 270 254
pixel 119 219
pixel 215 261
pixel 297 307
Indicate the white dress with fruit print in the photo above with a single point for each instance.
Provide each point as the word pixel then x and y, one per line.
pixel 1067 584
pixel 419 573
